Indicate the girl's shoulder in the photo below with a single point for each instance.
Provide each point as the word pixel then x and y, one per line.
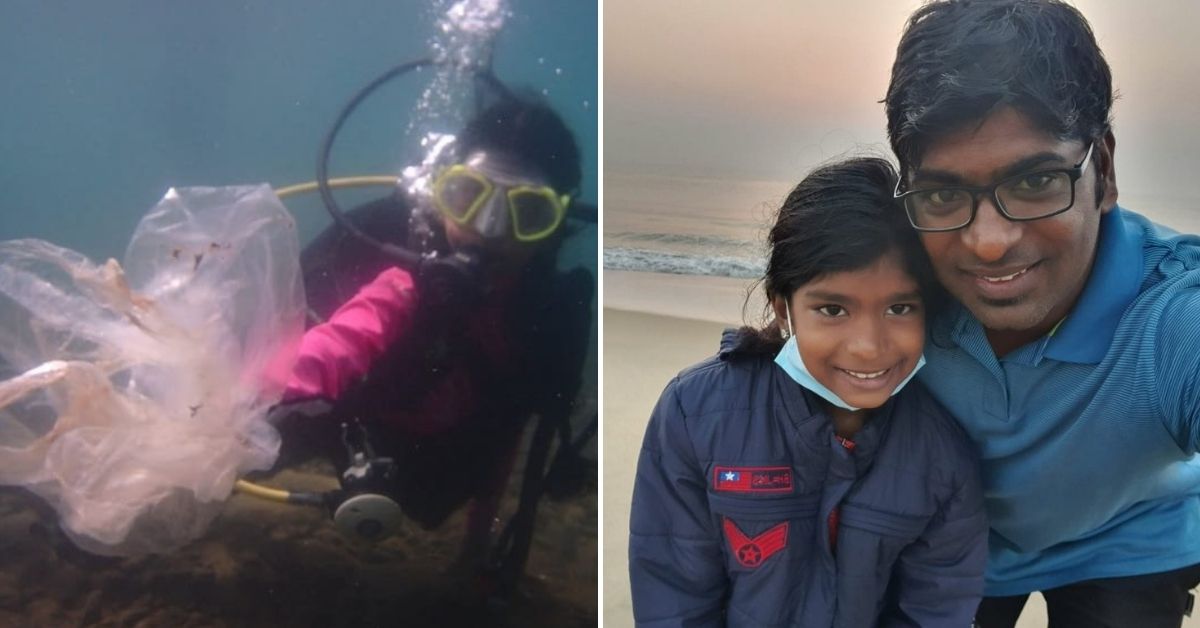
pixel 922 425
pixel 731 368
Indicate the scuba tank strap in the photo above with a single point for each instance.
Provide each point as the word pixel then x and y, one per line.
pixel 511 550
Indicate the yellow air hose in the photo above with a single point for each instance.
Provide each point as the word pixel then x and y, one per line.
pixel 341 182
pixel 258 490
pixel 263 492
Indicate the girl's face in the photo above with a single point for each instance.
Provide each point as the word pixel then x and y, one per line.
pixel 860 332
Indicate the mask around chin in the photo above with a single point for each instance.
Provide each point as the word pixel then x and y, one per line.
pixel 790 361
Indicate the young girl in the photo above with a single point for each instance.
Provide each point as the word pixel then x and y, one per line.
pixel 799 478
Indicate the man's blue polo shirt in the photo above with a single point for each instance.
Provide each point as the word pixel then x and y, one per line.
pixel 1088 436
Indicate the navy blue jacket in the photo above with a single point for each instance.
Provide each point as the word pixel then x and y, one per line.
pixel 737 478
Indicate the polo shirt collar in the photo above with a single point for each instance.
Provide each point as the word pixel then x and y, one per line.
pixel 1086 334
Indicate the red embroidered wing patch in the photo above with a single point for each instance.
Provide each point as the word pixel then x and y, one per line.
pixel 751 552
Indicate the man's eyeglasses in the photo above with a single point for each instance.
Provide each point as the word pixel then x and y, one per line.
pixel 1021 197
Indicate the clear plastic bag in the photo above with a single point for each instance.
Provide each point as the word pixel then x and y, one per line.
pixel 133 397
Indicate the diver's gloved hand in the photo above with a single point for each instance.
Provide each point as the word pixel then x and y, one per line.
pixel 451 282
pixel 286 411
pixel 305 428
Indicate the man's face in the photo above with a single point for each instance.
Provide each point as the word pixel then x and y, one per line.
pixel 1018 278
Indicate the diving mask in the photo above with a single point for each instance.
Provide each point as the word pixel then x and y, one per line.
pixel 487 195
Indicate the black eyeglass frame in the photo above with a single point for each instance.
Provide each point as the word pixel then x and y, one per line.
pixel 1075 173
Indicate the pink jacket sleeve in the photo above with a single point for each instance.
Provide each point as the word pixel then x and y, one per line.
pixel 339 351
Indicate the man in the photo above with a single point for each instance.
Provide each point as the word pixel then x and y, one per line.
pixel 1072 354
pixel 444 367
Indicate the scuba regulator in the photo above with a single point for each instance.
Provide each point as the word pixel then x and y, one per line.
pixel 366 512
pixel 361 508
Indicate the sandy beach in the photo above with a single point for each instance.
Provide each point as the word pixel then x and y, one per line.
pixel 642 352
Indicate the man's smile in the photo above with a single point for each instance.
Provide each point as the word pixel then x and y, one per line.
pixel 997 277
pixel 1005 282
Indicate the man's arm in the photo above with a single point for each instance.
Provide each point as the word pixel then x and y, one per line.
pixel 1177 372
pixel 676 567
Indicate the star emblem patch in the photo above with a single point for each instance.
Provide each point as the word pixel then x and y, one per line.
pixel 751 552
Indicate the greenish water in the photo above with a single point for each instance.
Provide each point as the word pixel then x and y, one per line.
pixel 107 104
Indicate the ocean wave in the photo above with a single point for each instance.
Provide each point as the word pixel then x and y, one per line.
pixel 679 238
pixel 644 260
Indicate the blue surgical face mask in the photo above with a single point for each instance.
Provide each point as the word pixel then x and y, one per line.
pixel 790 361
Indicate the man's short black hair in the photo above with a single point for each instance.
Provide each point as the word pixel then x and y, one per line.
pixel 531 132
pixel 960 60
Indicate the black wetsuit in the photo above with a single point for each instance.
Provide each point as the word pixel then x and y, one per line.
pixel 544 319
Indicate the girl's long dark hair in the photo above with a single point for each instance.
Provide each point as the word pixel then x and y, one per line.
pixel 841 217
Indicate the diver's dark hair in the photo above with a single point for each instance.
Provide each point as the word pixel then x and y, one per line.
pixel 530 131
pixel 841 217
pixel 960 60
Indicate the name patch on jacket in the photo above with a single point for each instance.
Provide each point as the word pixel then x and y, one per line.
pixel 753 479
pixel 751 552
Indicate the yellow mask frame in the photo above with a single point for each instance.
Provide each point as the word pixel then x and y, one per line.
pixel 513 195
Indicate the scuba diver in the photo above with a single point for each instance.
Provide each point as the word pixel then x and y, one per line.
pixel 433 368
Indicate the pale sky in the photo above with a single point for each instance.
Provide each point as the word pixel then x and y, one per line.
pixel 767 89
